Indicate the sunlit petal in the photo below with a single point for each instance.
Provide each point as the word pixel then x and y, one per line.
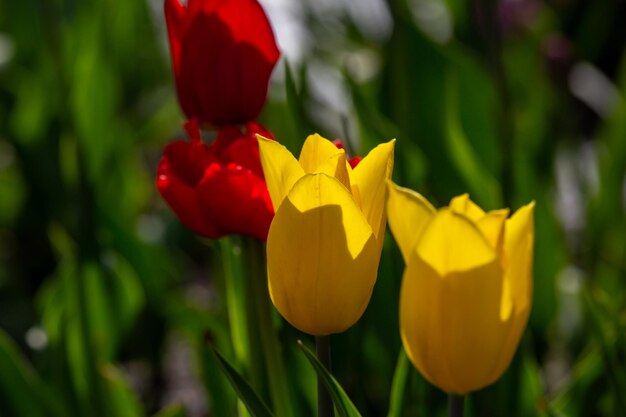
pixel 466 291
pixel 492 226
pixel 464 205
pixel 322 257
pixel 369 185
pixel 408 214
pixel 519 243
pixel 280 167
pixel 337 166
pixel 316 150
pixel 450 324
pixel 452 243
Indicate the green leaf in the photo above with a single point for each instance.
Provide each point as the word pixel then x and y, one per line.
pixel 121 400
pixel 176 410
pixel 482 184
pixel 223 400
pixel 342 402
pixel 578 398
pixel 606 343
pixel 531 390
pixel 298 114
pixel 398 385
pixel 253 403
pixel 22 392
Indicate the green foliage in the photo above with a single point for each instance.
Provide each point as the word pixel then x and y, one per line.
pixel 175 410
pixel 21 390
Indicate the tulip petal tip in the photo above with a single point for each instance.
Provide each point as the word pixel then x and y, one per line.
pixel 261 138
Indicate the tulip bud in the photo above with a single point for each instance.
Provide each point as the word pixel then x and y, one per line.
pixel 217 189
pixel 324 243
pixel 467 287
pixel 223 53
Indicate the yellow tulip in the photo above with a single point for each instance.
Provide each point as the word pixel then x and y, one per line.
pixel 467 287
pixel 324 243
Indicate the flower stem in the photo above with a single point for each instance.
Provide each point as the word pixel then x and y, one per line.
pixel 240 329
pixel 455 405
pixel 272 352
pixel 324 402
pixel 236 303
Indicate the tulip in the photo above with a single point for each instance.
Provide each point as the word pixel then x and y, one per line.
pixel 467 287
pixel 217 189
pixel 324 243
pixel 223 53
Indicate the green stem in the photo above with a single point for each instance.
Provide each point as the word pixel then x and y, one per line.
pixel 235 298
pixel 238 312
pixel 278 384
pixel 324 402
pixel 455 405
pixel 398 385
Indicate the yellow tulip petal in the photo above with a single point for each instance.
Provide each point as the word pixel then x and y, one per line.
pixel 408 214
pixel 321 155
pixel 280 167
pixel 452 243
pixel 450 323
pixel 316 151
pixel 322 257
pixel 518 284
pixel 335 166
pixel 464 205
pixel 369 185
pixel 518 244
pixel 492 226
pixel 352 186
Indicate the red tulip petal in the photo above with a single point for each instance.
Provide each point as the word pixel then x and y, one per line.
pixel 237 199
pixel 226 57
pixel 249 24
pixel 242 149
pixel 225 138
pixel 174 19
pixel 183 200
pixel 256 128
pixel 354 161
pixel 218 189
pixel 187 161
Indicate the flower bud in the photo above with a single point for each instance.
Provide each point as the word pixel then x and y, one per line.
pixel 325 241
pixel 467 287
pixel 217 189
pixel 223 53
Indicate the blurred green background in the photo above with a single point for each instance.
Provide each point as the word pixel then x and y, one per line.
pixel 106 299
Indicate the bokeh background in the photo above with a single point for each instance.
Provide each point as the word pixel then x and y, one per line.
pixel 106 299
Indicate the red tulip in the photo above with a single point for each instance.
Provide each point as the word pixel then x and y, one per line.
pixel 223 53
pixel 217 189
